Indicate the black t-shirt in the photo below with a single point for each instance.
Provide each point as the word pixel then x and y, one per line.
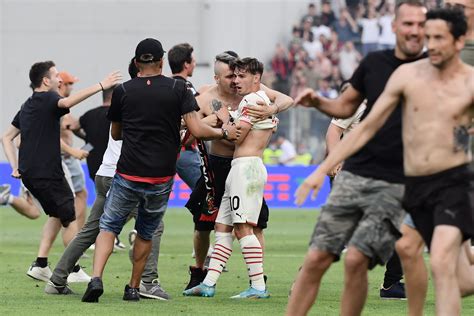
pixel 40 149
pixel 189 85
pixel 150 110
pixel 382 157
pixel 96 126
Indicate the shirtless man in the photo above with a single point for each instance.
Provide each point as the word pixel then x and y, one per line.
pixel 223 95
pixel 438 97
pixel 243 196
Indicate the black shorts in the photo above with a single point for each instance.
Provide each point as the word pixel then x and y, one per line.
pixel 55 196
pixel 197 201
pixel 444 198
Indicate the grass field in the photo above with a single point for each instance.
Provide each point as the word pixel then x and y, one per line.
pixel 286 238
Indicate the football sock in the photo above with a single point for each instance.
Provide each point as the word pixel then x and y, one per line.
pixel 253 256
pixel 219 257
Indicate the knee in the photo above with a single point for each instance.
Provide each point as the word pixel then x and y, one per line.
pixel 407 249
pixel 34 213
pixel 355 262
pixel 202 235
pixel 441 265
pixel 318 260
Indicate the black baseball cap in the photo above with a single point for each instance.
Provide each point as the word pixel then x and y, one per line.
pixel 149 50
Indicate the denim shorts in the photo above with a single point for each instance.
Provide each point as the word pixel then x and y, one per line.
pixel 124 196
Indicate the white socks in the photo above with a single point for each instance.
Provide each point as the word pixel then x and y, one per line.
pixel 253 256
pixel 219 257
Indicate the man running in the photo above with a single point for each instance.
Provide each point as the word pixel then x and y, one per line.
pixel 364 208
pixel 437 96
pixel 39 164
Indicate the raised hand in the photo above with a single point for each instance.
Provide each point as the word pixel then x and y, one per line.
pixel 312 183
pixel 307 98
pixel 111 80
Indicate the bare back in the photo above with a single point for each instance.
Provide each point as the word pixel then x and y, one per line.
pixel 437 114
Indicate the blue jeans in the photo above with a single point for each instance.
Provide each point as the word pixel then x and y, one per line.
pixel 188 167
pixel 124 196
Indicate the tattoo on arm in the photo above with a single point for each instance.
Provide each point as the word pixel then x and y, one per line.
pixel 216 105
pixel 461 139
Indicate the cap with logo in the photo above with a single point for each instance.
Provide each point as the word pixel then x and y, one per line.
pixel 149 50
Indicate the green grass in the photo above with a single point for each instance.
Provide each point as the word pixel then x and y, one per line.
pixel 286 241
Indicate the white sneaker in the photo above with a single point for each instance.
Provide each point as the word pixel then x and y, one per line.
pixel 118 244
pixel 79 276
pixel 38 273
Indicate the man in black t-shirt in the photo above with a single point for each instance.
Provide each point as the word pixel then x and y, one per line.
pixel 146 114
pixel 364 208
pixel 94 127
pixel 39 163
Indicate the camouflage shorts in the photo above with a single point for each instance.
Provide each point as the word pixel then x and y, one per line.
pixel 360 212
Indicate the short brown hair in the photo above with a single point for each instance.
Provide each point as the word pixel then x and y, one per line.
pixel 38 71
pixel 252 65
pixel 414 3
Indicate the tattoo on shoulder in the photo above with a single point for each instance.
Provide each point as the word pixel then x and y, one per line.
pixel 461 139
pixel 216 105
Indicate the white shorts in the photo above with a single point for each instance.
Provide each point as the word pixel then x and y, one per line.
pixel 243 195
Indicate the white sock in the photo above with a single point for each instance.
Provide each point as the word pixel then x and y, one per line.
pixel 10 199
pixel 219 257
pixel 253 256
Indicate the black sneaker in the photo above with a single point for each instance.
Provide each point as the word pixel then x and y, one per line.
pixel 95 289
pixel 394 292
pixel 197 276
pixel 131 294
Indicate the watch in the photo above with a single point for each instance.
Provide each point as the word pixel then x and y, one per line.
pixel 225 133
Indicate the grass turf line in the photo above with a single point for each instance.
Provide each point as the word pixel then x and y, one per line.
pixel 286 243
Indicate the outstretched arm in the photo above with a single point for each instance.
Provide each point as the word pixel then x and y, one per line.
pixel 357 138
pixel 342 107
pixel 110 81
pixel 281 103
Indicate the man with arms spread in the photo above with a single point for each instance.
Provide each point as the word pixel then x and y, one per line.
pixel 438 96
pixel 411 245
pixel 39 164
pixel 242 200
pixel 364 208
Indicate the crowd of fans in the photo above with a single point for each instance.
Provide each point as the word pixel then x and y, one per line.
pixel 326 46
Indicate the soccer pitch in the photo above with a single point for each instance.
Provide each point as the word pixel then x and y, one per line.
pixel 286 243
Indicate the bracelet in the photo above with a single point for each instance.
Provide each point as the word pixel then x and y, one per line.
pixel 101 86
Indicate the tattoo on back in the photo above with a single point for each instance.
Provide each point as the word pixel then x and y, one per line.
pixel 216 105
pixel 461 139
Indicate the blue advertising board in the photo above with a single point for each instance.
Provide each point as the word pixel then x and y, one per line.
pixel 279 191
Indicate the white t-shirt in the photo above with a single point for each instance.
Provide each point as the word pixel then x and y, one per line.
pixel 288 151
pixel 313 48
pixel 348 124
pixel 110 159
pixel 370 31
pixel 348 62
pixel 387 37
pixel 321 30
pixel 251 99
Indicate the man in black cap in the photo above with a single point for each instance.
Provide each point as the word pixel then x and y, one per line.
pixel 146 114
